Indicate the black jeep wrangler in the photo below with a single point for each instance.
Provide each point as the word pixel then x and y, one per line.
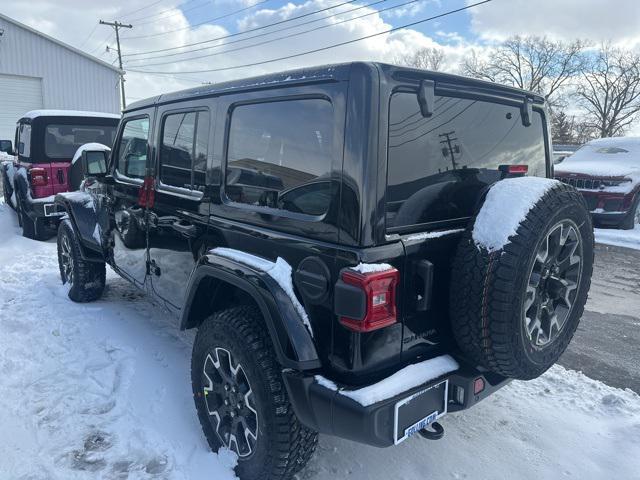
pixel 323 230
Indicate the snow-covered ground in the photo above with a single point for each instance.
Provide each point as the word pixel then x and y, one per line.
pixel 102 391
pixel 619 238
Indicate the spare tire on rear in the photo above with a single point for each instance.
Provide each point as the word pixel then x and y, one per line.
pixel 521 275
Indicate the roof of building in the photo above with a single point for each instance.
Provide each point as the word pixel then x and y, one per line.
pixel 68 113
pixel 58 42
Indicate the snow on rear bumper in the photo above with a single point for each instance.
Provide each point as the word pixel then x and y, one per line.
pixel 321 406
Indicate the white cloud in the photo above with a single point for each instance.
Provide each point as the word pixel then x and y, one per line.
pixel 595 20
pixel 72 20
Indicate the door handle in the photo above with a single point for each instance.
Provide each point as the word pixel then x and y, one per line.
pixel 184 228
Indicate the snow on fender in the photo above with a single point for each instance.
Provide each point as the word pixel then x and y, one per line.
pixel 521 275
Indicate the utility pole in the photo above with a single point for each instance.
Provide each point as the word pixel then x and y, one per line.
pixel 449 148
pixel 117 26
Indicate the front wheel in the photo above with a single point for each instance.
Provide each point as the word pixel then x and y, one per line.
pixel 85 280
pixel 241 399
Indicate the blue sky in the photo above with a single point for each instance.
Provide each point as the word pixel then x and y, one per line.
pixel 198 11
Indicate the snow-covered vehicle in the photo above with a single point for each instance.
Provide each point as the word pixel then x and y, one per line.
pixel 45 143
pixel 607 172
pixel 363 249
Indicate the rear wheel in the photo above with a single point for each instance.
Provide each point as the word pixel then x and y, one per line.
pixel 85 280
pixel 241 400
pixel 515 310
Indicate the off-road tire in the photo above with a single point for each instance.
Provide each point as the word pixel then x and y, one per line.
pixel 488 290
pixel 88 278
pixel 284 445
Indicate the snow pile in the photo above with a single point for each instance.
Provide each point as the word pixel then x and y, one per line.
pixel 95 390
pixel 505 207
pixel 89 146
pixel 102 390
pixel 619 238
pixel 409 377
pixel 371 267
pixel 417 237
pixel 279 270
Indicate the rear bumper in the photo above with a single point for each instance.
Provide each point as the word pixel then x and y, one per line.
pixel 608 208
pixel 327 411
pixel 43 208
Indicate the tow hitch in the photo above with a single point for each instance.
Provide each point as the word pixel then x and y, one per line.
pixel 435 431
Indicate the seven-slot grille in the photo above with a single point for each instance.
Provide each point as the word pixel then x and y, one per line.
pixel 589 183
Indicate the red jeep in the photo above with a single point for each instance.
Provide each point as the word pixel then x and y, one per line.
pixel 46 141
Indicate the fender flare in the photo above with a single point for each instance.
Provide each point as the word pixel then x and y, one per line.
pixel 292 341
pixel 89 249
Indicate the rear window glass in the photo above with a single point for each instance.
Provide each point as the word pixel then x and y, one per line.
pixel 62 141
pixel 280 155
pixel 437 166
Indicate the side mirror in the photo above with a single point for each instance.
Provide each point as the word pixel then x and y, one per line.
pixel 6 146
pixel 94 163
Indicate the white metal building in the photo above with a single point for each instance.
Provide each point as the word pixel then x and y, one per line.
pixel 38 71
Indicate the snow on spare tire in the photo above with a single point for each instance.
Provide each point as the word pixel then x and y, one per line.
pixel 521 275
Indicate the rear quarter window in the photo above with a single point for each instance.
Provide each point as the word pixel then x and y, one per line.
pixel 439 165
pixel 280 155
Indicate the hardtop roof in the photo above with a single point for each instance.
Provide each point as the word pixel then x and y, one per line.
pixel 323 73
pixel 67 113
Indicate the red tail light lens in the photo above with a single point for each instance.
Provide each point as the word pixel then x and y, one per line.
pixel 380 294
pixel 478 385
pixel 39 177
pixel 514 170
pixel 147 193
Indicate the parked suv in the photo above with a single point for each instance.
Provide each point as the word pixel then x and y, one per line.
pixel 357 245
pixel 46 141
pixel 607 172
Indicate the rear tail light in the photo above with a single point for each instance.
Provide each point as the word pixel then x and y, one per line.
pixel 379 290
pixel 478 385
pixel 147 194
pixel 39 177
pixel 514 170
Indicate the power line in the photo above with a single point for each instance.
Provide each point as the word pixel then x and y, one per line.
pixel 162 12
pixel 348 42
pixel 102 43
pixel 90 35
pixel 141 8
pixel 237 33
pixel 137 19
pixel 270 33
pixel 235 12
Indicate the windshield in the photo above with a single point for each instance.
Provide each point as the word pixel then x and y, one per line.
pixel 62 141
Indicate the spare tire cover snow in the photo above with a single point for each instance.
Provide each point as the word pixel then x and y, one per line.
pixel 521 275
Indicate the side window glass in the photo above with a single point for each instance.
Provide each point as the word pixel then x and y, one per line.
pixel 133 148
pixel 183 153
pixel 280 155
pixel 24 142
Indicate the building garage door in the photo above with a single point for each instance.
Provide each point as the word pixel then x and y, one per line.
pixel 18 95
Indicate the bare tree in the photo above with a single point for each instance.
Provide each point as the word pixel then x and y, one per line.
pixel 427 58
pixel 532 63
pixel 610 91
